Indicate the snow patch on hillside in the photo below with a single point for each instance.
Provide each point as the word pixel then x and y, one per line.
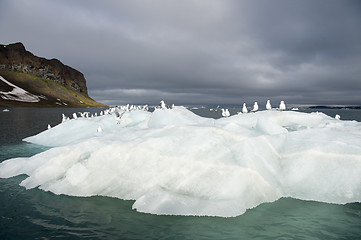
pixel 18 94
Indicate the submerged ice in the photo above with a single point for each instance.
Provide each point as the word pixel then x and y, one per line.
pixel 172 161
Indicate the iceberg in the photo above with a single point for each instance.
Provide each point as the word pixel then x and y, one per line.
pixel 174 162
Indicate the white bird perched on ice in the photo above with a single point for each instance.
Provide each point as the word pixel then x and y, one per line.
pixel 145 107
pixel 268 105
pixel 75 116
pixel 255 107
pixel 282 106
pixel 225 112
pixel 163 105
pixel 100 129
pixel 49 126
pixel 244 108
pixel 65 118
pixel 338 117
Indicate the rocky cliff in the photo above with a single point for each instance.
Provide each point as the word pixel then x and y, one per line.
pixel 15 57
pixel 51 79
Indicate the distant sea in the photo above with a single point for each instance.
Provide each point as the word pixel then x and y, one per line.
pixel 36 214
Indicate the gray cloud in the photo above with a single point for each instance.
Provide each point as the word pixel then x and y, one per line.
pixel 216 52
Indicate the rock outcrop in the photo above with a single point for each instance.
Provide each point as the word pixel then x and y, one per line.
pixel 28 80
pixel 15 57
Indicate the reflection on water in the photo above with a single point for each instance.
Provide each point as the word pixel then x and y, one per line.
pixel 35 214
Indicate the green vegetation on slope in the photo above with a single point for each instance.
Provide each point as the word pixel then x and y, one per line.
pixel 50 89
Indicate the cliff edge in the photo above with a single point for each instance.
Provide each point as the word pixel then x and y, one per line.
pixel 50 81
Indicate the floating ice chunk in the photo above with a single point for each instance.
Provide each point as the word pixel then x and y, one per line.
pixel 172 161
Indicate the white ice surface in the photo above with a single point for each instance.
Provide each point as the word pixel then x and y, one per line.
pixel 172 161
pixel 18 94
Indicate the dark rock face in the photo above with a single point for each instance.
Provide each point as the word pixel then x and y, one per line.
pixel 15 57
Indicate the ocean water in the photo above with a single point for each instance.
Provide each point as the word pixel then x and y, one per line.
pixel 36 214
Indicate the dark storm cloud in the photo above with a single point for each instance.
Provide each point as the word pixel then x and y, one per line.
pixel 198 51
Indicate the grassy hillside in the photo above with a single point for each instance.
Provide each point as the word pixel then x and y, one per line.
pixel 56 94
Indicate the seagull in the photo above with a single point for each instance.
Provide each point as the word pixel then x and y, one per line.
pixel 282 106
pixel 255 107
pixel 116 111
pixel 65 118
pixel 145 107
pixel 163 105
pixel 118 116
pixel 75 116
pixel 244 109
pixel 49 126
pixel 225 112
pixel 268 105
pixel 338 117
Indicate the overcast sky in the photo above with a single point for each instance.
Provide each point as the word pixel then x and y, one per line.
pixel 198 51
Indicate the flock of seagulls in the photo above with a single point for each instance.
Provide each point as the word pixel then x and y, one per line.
pixel 125 108
pixel 163 105
pixel 255 108
pixel 113 110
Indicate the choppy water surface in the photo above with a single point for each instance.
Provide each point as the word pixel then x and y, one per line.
pixel 35 214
